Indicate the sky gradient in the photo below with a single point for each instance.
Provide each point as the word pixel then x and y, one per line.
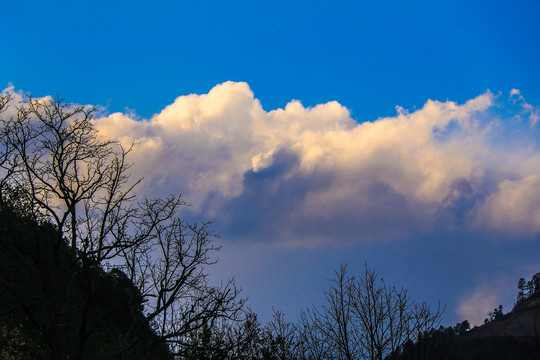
pixel 401 135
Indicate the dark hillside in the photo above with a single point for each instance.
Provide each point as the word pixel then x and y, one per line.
pixel 512 336
pixel 48 294
pixel 522 322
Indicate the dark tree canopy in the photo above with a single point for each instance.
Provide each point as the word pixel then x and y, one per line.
pixel 43 291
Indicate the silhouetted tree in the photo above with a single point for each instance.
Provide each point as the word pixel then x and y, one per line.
pixel 521 287
pixel 364 318
pixel 248 338
pixel 462 327
pixel 280 339
pixel 43 293
pixel 315 343
pixel 496 314
pixel 64 172
pixel 535 283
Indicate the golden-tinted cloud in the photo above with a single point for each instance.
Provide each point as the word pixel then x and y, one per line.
pixel 309 175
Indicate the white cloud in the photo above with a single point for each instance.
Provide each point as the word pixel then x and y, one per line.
pixel 316 174
pixel 527 109
pixel 207 142
pixel 389 176
pixel 514 208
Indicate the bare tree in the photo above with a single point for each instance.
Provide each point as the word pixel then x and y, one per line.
pixel 387 317
pixel 170 272
pixel 7 159
pixel 69 173
pixel 330 332
pixel 382 314
pixel 364 318
pixel 281 338
pixel 315 344
pixel 58 163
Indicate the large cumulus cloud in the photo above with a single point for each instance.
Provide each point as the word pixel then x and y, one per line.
pixel 312 175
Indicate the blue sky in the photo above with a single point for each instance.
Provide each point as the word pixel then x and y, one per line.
pixel 370 56
pixel 439 198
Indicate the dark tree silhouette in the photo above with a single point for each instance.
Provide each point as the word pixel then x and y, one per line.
pixel 521 287
pixel 63 172
pixel 364 318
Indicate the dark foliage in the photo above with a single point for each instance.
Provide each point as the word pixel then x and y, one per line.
pixel 515 335
pixel 68 211
pixel 527 289
pixel 446 344
pixel 44 289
